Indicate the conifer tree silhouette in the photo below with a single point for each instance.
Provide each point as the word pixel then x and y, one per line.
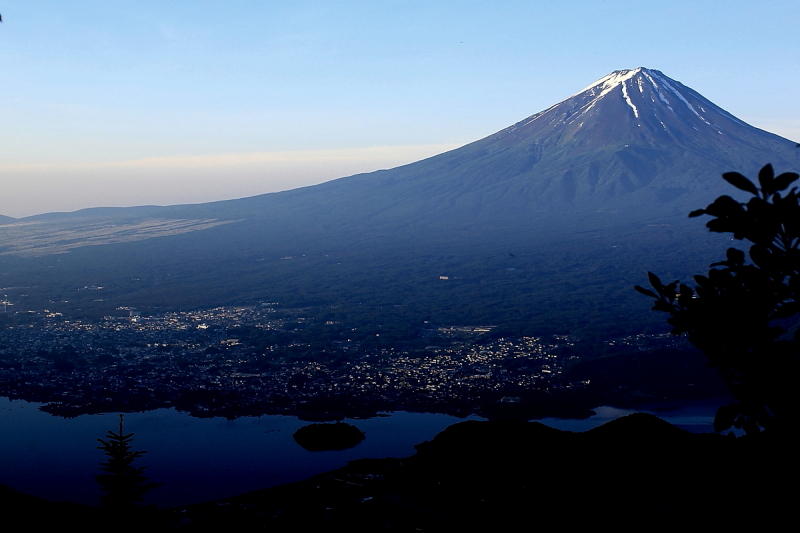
pixel 741 314
pixel 123 483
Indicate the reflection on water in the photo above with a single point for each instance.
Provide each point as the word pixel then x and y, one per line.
pixel 207 459
pixel 697 418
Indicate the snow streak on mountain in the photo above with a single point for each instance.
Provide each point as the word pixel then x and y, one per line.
pixel 634 137
pixel 635 99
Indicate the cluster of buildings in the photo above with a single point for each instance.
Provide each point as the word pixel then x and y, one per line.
pixel 250 361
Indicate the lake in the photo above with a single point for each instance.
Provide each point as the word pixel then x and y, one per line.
pixel 199 460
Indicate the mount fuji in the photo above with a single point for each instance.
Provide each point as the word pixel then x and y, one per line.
pixel 547 223
pixel 633 138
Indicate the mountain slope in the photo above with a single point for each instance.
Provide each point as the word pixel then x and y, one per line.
pixel 632 136
pixel 633 140
pixel 551 220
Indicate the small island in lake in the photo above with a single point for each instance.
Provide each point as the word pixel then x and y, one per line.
pixel 328 437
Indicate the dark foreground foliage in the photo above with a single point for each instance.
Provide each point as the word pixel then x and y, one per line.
pixel 637 472
pixel 743 315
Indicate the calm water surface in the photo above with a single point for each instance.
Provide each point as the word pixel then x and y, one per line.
pixel 206 459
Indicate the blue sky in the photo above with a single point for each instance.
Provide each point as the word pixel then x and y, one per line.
pixel 162 102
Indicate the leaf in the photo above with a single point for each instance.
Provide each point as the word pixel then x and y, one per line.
pixel 740 182
pixel 646 292
pixel 725 206
pixel 761 256
pixel 766 177
pixel 655 282
pixel 697 213
pixel 670 291
pixel 735 256
pixel 725 417
pixel 784 180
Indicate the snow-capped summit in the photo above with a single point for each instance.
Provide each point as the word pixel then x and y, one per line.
pixel 635 134
pixel 647 87
pixel 639 98
pixel 610 81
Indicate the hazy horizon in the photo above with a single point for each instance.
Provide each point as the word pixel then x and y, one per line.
pixel 163 180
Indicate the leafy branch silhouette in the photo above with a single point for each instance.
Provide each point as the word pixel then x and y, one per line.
pixel 740 314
